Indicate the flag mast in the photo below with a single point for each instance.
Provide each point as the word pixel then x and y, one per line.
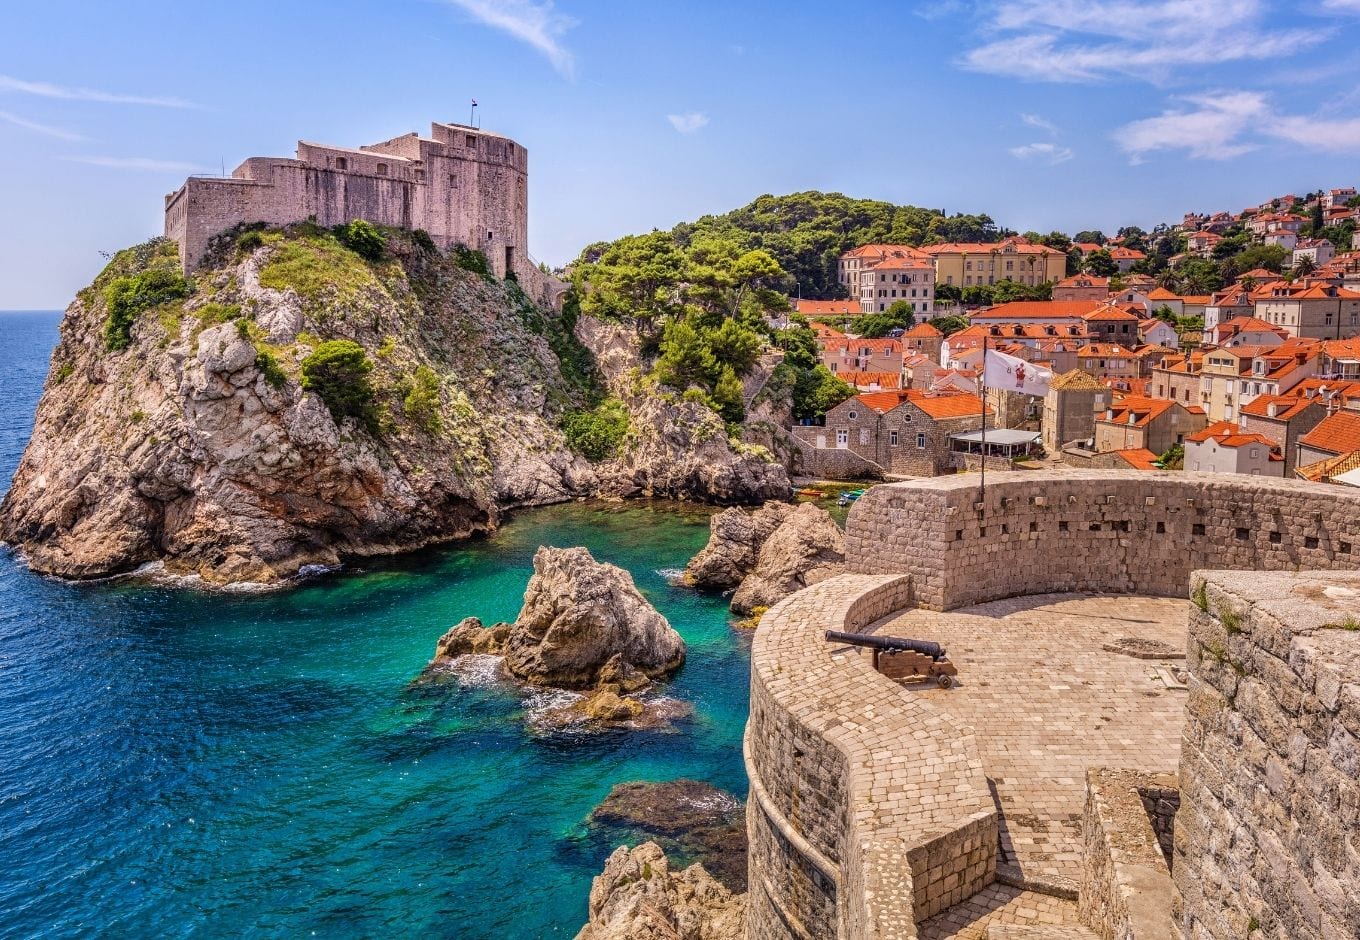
pixel 982 397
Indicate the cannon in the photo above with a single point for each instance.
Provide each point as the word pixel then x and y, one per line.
pixel 900 658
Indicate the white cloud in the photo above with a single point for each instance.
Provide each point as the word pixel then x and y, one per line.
pixel 38 128
pixel 1089 40
pixel 688 123
pixel 938 9
pixel 1317 133
pixel 538 24
pixel 1212 129
pixel 1051 154
pixel 1342 6
pixel 1034 120
pixel 141 163
pixel 48 90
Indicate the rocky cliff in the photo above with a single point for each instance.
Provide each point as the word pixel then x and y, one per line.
pixel 638 897
pixel 214 424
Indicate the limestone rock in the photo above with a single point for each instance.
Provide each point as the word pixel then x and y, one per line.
pixel 689 817
pixel 183 449
pixel 806 548
pixel 624 675
pixel 471 637
pixel 578 615
pixel 734 541
pixel 638 897
pixel 606 705
pixel 680 450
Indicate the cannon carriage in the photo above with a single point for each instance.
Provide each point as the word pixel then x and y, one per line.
pixel 903 659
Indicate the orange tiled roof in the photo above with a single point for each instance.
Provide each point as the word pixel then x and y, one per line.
pixel 1337 433
pixel 1227 434
pixel 1018 310
pixel 1084 280
pixel 1105 314
pixel 1144 410
pixel 1018 245
pixel 1139 458
pixel 1121 253
pixel 1287 407
pixel 1161 293
pixel 936 405
pixel 828 306
pixel 1323 470
pixel 884 380
pixel 922 330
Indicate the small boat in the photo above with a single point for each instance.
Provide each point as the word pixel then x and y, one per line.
pixel 845 500
pixel 809 491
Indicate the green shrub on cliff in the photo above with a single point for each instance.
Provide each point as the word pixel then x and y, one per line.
pixel 338 370
pixel 470 259
pixel 422 402
pixel 127 297
pixel 362 238
pixel 596 434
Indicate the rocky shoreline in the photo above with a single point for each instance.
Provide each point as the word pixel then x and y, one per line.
pixel 200 434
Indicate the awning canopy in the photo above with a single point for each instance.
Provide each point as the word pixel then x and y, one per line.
pixel 997 436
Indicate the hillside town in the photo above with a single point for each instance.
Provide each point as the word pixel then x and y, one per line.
pixel 1258 374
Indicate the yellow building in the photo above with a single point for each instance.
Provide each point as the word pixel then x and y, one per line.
pixel 1015 259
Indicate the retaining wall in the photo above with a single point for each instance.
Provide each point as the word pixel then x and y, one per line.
pixel 868 810
pixel 1110 531
pixel 1267 840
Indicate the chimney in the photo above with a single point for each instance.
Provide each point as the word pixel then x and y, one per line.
pixel 1272 409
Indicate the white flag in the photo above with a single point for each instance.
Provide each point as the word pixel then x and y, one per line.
pixel 1014 374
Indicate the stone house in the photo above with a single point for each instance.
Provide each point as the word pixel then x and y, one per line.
pixel 901 274
pixel 849 354
pixel 1316 250
pixel 1178 378
pixel 922 340
pixel 1013 259
pixel 1082 287
pixel 1282 419
pixel 1070 409
pixel 903 432
pixel 1317 311
pixel 1158 333
pixel 1108 359
pixel 1113 325
pixel 1225 448
pixel 1154 423
pixel 1333 436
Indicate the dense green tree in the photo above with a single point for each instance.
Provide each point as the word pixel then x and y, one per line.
pixel 949 325
pixel 735 345
pixel 1093 236
pixel 596 434
pixel 1270 257
pixel 816 391
pixel 1074 260
pixel 1319 221
pixel 1195 276
pixel 363 238
pixel 875 325
pixel 686 358
pixel 727 395
pixel 635 278
pixel 337 370
pixel 1101 264
pixel 1134 237
pixel 126 297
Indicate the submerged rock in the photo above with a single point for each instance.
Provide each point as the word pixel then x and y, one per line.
pixel 579 615
pixel 768 554
pixel 694 819
pixel 471 637
pixel 638 897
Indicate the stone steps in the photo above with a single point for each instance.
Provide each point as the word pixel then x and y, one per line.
pixel 1038 932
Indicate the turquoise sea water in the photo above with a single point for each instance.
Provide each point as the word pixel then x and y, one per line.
pixel 175 763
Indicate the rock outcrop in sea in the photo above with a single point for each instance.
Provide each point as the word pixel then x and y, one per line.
pixel 768 553
pixel 638 897
pixel 584 626
pixel 296 404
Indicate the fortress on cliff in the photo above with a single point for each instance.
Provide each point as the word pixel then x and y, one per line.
pixel 462 185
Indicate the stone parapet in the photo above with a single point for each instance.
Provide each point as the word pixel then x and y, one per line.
pixel 1035 532
pixel 869 809
pixel 1267 840
pixel 1126 891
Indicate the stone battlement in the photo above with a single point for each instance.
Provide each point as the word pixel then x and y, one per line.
pixel 1047 774
pixel 1103 531
pixel 462 185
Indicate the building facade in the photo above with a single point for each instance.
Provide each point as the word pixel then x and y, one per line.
pixel 1014 259
pixel 462 185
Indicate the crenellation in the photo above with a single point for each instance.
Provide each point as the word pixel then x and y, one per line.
pixel 461 185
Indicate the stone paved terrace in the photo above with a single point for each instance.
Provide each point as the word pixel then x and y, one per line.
pixel 997 906
pixel 1046 701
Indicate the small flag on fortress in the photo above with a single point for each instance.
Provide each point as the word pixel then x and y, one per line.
pixel 1014 374
pixel 474 102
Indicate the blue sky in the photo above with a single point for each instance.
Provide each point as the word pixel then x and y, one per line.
pixel 1052 114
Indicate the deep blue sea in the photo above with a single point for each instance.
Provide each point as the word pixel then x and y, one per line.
pixel 176 763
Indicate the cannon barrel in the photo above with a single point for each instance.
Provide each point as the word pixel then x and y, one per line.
pixel 888 643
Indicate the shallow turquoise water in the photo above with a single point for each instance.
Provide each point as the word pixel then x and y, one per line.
pixel 176 763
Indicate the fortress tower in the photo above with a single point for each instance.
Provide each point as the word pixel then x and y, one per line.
pixel 461 184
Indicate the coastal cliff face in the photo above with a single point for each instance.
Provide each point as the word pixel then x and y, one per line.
pixel 197 445
pixel 298 403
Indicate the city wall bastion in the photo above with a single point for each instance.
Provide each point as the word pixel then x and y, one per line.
pixel 1039 796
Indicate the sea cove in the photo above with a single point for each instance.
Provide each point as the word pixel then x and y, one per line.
pixel 177 762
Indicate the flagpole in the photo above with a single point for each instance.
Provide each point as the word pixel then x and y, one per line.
pixel 982 489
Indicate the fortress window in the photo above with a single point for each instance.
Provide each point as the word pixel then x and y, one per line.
pixel 1310 541
pixel 471 142
pixel 420 174
pixel 341 163
pixel 382 169
pixel 453 181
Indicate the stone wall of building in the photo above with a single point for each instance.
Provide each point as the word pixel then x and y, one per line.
pixel 844 844
pixel 831 463
pixel 462 185
pixel 1267 840
pixel 1034 532
pixel 1126 891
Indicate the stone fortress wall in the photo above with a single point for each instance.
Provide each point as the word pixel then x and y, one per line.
pixel 869 809
pixel 462 185
pixel 1095 531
